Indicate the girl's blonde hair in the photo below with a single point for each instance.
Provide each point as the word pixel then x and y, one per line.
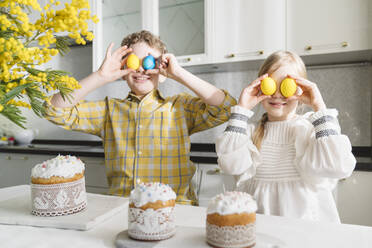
pixel 271 64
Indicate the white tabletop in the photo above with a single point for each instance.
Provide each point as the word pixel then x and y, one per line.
pixel 294 232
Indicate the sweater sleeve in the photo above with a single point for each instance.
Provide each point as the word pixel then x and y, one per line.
pixel 322 152
pixel 235 149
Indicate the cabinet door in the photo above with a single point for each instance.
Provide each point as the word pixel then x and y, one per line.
pixel 184 27
pixel 318 27
pixel 15 169
pixel 118 18
pixel 95 175
pixel 247 30
pixel 354 201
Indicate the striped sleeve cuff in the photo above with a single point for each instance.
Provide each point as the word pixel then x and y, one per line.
pixel 239 119
pixel 325 123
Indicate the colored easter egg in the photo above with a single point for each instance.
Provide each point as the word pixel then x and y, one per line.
pixel 268 86
pixel 148 62
pixel 288 87
pixel 133 61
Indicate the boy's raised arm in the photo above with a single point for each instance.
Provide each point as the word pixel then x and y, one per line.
pixel 169 67
pixel 110 70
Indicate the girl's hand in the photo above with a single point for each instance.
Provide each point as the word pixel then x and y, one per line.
pixel 113 64
pixel 251 95
pixel 310 94
pixel 167 66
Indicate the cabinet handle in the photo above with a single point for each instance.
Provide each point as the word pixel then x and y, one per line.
pixel 214 172
pixel 244 54
pixel 327 46
pixel 345 44
pixel 25 158
pixel 9 157
pixel 188 59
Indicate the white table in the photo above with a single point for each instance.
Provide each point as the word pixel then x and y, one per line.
pixel 294 232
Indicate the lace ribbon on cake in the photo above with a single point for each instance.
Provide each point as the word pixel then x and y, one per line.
pixel 151 224
pixel 231 236
pixel 58 199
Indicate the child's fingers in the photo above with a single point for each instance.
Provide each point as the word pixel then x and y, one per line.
pixel 262 97
pixel 302 82
pixel 109 48
pixel 123 51
pixel 152 71
pixel 126 72
pixel 257 81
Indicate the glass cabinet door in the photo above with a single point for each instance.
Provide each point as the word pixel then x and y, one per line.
pixel 182 27
pixel 119 18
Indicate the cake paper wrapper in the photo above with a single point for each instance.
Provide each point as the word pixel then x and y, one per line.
pixel 58 199
pixel 231 236
pixel 151 224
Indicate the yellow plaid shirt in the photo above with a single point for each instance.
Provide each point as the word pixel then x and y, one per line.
pixel 145 140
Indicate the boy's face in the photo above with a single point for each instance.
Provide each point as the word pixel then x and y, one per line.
pixel 277 106
pixel 140 83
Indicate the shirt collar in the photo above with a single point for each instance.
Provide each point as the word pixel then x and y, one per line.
pixel 155 94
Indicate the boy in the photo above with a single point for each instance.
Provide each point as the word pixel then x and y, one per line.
pixel 145 136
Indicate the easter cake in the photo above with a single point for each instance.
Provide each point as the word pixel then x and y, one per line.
pixel 151 212
pixel 231 220
pixel 58 187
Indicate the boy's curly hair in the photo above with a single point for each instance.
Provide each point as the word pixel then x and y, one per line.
pixel 144 36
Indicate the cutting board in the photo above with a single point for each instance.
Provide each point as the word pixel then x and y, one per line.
pixel 187 237
pixel 17 211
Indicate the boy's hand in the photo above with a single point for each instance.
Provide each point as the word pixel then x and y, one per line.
pixel 112 66
pixel 167 66
pixel 250 95
pixel 309 93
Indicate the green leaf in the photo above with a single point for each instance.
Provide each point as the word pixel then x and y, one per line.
pixel 62 44
pixel 14 92
pixel 14 114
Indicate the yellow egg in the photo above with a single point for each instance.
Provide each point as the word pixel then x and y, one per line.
pixel 288 87
pixel 268 86
pixel 133 61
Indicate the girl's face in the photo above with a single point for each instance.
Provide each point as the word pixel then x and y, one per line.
pixel 277 106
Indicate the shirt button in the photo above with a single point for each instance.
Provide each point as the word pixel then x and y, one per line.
pixel 139 153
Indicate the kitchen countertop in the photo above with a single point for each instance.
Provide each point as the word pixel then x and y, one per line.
pixel 291 232
pixel 200 153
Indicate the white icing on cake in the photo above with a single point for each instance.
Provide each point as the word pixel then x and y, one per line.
pixel 233 202
pixel 151 192
pixel 60 166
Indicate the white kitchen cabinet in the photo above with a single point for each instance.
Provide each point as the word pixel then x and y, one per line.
pixel 354 199
pixel 247 30
pixel 332 26
pixel 185 26
pixel 15 169
pixel 181 24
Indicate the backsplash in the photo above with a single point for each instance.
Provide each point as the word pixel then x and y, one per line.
pixel 348 89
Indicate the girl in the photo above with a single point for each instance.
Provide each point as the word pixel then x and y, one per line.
pixel 290 163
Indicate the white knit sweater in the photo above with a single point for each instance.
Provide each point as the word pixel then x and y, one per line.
pixel 298 165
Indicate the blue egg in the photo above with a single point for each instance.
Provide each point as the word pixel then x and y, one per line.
pixel 148 62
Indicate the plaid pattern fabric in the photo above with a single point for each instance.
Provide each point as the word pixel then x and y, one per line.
pixel 148 140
